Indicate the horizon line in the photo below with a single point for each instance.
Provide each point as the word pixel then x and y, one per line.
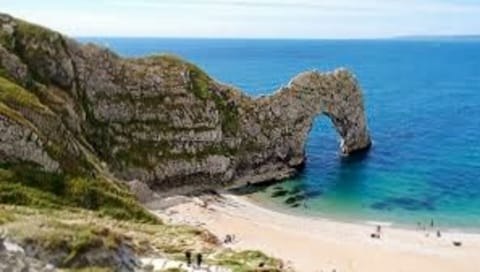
pixel 396 37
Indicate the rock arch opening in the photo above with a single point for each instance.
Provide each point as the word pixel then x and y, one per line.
pixel 322 140
pixel 338 96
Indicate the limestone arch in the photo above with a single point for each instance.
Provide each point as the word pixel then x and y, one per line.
pixel 336 95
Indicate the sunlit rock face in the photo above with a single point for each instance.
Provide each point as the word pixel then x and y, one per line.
pixel 159 119
pixel 338 96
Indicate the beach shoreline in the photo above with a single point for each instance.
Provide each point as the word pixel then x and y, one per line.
pixel 322 244
pixel 413 226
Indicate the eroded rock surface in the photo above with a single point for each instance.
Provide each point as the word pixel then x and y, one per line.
pixel 13 258
pixel 157 119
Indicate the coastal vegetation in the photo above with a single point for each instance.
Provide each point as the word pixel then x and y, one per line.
pixel 65 159
pixel 73 238
pixel 28 185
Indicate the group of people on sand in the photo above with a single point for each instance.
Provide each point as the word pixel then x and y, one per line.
pixel 189 259
pixel 378 232
pixel 432 226
pixel 438 232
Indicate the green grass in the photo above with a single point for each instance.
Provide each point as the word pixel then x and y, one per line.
pixel 202 88
pixel 75 238
pixel 30 30
pixel 6 216
pixel 16 96
pixel 15 116
pixel 3 72
pixel 200 81
pixel 77 232
pixel 201 84
pixel 247 261
pixel 28 185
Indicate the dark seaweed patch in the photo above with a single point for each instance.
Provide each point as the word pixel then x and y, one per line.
pixel 294 199
pixel 279 193
pixel 290 200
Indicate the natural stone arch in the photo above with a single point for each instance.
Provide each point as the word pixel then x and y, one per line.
pixel 336 95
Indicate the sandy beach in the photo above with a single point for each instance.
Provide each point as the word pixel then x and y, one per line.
pixel 316 244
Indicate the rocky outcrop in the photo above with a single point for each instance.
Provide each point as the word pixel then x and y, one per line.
pixel 157 119
pixel 20 143
pixel 13 258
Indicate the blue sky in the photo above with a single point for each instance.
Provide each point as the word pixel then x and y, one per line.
pixel 252 18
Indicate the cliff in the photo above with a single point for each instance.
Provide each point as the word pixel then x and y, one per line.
pixel 82 110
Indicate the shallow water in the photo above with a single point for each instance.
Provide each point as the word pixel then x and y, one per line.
pixel 423 107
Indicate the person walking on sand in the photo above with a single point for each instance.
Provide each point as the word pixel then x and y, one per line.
pixel 199 260
pixel 188 257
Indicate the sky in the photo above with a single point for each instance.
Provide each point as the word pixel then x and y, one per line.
pixel 310 19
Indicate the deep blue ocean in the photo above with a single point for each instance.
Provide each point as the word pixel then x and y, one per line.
pixel 423 107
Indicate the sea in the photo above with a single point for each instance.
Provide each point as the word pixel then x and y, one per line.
pixel 422 102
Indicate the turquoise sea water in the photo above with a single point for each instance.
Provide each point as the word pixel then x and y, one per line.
pixel 423 107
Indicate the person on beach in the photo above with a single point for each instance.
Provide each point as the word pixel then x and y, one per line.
pixel 188 257
pixel 228 239
pixel 377 233
pixel 199 260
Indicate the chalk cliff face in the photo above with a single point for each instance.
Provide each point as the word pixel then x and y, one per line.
pixel 82 109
